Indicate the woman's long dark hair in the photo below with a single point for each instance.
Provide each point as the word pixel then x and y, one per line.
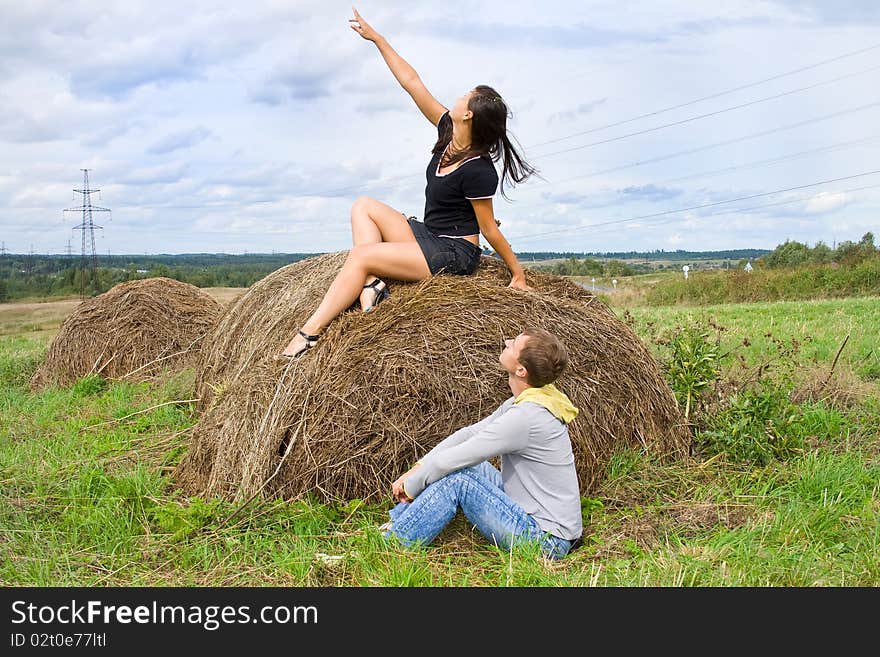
pixel 488 137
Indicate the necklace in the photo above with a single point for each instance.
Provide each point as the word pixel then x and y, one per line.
pixel 449 155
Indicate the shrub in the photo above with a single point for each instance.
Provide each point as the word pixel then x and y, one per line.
pixel 735 286
pixel 693 364
pixel 757 426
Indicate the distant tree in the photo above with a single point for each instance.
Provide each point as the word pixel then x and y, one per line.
pixel 788 254
pixel 821 253
pixel 852 253
pixel 575 267
pixel 848 253
pixel 618 268
pixel 160 270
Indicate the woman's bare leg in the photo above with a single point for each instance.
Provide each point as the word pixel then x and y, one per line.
pixel 372 222
pixel 403 261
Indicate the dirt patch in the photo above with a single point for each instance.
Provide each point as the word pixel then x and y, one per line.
pixel 643 529
pixel 840 388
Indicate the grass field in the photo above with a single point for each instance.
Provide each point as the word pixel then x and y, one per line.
pixel 45 317
pixel 85 498
pixel 820 327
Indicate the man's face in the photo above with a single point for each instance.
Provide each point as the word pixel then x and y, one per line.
pixel 509 357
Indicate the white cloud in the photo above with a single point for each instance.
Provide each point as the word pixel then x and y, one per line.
pixel 827 202
pixel 180 140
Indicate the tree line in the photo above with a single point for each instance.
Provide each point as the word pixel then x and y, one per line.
pixel 31 275
pixel 795 254
pixel 656 254
pixel 35 275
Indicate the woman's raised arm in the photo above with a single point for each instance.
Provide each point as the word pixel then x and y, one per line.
pixel 406 75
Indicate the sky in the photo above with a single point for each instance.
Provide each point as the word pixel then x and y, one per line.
pixel 231 127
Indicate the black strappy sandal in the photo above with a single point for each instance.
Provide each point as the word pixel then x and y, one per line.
pixel 381 295
pixel 311 341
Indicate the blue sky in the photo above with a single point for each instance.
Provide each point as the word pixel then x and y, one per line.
pixel 232 127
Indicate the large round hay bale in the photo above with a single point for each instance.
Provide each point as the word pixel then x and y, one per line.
pixel 382 388
pixel 133 331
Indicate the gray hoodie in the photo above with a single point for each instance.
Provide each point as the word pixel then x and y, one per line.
pixel 537 464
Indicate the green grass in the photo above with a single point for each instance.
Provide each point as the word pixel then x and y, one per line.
pixel 86 500
pixel 819 327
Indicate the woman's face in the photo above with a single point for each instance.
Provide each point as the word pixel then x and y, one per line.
pixel 459 110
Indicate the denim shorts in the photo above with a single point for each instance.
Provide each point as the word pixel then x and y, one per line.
pixel 447 255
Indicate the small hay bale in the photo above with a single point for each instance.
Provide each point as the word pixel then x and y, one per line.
pixel 382 388
pixel 133 331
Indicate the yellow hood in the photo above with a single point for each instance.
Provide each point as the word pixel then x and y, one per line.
pixel 551 398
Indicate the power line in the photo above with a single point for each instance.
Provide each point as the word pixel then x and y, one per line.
pixel 773 160
pixel 716 95
pixel 747 165
pixel 703 116
pixel 393 179
pixel 726 142
pixel 756 207
pixel 605 141
pixel 526 238
pixel 634 164
pixel 800 199
pixel 755 164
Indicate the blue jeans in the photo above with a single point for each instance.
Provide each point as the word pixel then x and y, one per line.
pixel 478 491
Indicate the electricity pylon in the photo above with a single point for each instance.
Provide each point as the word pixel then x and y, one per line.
pixel 89 259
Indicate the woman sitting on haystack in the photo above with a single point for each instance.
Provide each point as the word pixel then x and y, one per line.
pixel 461 181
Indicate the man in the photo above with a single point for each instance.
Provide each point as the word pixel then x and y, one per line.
pixel 535 497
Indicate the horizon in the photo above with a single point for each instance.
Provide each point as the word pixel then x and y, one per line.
pixel 211 127
pixel 74 256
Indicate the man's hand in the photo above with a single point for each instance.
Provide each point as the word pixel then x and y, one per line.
pixel 362 27
pixel 398 492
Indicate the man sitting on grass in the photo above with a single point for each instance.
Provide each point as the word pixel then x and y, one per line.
pixel 535 497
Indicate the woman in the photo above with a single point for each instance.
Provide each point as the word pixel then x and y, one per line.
pixel 461 181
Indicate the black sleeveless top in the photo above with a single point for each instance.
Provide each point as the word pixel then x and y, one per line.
pixel 448 209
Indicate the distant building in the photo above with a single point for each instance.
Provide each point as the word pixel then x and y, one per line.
pixel 143 271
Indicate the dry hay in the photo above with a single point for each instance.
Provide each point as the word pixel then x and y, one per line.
pixel 133 331
pixel 382 388
pixel 839 388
